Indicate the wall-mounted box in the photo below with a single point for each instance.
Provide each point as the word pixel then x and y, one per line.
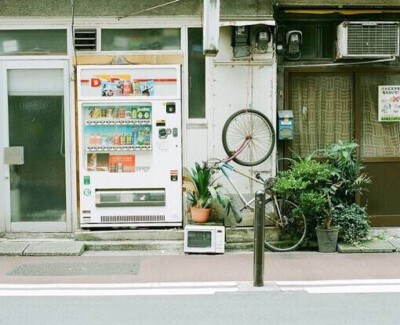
pixel 285 125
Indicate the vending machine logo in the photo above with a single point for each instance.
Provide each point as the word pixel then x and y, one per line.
pixel 121 85
pixel 110 85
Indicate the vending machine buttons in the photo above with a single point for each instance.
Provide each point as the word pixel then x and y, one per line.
pixel 170 108
pixel 175 132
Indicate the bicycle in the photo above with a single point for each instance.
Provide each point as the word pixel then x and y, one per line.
pixel 286 229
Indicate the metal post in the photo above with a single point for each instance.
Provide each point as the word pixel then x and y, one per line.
pixel 258 274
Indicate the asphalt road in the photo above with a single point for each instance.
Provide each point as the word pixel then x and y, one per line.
pixel 276 307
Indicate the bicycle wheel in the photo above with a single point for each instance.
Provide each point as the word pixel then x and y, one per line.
pixel 253 126
pixel 286 233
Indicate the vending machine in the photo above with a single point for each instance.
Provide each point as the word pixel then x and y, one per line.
pixel 130 146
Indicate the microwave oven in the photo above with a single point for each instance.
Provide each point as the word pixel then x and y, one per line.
pixel 204 239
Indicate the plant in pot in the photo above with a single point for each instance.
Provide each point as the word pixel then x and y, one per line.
pixel 349 180
pixel 304 184
pixel 203 190
pixel 327 232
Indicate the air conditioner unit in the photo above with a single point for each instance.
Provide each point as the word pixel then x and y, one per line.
pixel 368 39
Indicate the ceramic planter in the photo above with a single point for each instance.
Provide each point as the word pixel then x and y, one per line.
pixel 199 215
pixel 327 239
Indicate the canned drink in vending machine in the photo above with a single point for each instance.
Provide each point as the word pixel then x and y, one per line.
pixel 120 168
pixel 128 139
pixel 123 139
pixel 109 113
pixel 135 136
pixel 134 113
pixel 146 114
pixel 115 113
pixel 128 113
pixel 91 112
pixel 97 113
pixel 121 113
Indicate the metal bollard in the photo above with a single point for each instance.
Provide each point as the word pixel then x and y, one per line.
pixel 259 236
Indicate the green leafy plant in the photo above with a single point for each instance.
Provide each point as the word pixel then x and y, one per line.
pixel 305 184
pixel 349 177
pixel 323 183
pixel 200 178
pixel 354 223
pixel 204 189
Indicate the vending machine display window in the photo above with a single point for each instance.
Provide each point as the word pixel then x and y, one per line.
pixel 114 133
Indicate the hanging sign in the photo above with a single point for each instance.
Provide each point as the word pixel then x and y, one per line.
pixel 389 103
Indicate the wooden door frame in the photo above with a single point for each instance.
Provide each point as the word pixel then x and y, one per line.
pixel 357 73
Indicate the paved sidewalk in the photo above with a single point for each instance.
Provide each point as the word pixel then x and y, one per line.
pixel 102 267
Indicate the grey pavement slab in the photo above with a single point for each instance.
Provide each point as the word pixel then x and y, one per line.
pixel 75 269
pixel 373 246
pixel 378 246
pixel 8 248
pixel 61 248
pixel 348 248
pixel 395 242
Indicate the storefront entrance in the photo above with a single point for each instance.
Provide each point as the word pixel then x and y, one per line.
pixel 34 124
pixel 331 105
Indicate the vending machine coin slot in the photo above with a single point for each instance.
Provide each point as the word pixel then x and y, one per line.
pixel 164 133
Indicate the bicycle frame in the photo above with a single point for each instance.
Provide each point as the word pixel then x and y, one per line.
pixel 226 168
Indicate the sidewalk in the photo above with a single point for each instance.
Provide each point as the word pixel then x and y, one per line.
pixel 106 267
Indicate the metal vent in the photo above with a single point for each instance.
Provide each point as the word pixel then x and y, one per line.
pixel 85 39
pixel 375 39
pixel 136 218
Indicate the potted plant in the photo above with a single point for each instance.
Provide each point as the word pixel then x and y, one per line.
pixel 348 180
pixel 203 190
pixel 327 233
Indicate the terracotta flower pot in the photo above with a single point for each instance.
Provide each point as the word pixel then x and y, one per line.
pixel 199 215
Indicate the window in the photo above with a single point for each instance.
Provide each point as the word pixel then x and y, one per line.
pixel 197 74
pixel 317 40
pixel 140 39
pixel 33 42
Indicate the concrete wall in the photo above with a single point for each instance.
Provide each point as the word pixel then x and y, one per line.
pixel 231 84
pixel 103 8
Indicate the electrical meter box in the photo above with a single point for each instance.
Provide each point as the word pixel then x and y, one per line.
pixel 285 123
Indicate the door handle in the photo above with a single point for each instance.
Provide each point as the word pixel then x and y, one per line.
pixel 14 155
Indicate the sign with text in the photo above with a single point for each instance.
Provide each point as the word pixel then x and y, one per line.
pixel 389 103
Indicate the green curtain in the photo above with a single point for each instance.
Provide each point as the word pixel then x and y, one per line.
pixel 323 110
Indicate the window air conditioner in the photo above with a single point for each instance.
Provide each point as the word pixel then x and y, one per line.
pixel 369 39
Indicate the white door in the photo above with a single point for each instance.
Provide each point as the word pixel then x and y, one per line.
pixel 34 126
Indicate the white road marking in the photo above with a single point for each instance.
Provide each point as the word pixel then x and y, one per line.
pixel 113 292
pixel 115 289
pixel 342 286
pixel 198 288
